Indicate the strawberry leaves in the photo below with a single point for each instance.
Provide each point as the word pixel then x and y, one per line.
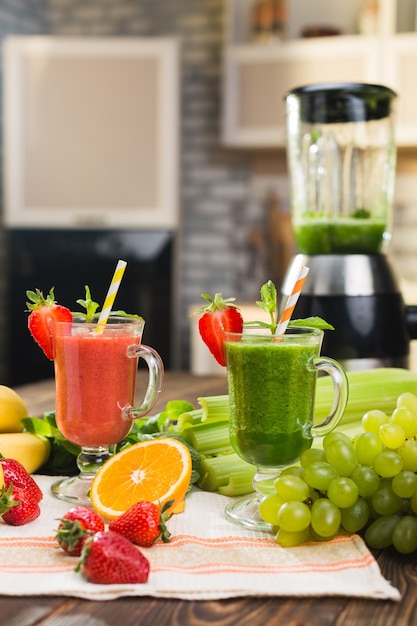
pixel 216 303
pixel 37 299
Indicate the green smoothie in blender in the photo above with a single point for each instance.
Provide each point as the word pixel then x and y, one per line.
pixel 349 235
pixel 341 157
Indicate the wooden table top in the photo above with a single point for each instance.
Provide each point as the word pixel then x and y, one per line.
pixel 400 570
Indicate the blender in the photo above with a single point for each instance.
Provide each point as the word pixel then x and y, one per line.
pixel 341 158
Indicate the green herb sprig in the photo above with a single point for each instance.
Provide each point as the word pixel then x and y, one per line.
pixel 91 313
pixel 268 303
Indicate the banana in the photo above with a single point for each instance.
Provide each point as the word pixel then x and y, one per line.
pixel 32 451
pixel 12 410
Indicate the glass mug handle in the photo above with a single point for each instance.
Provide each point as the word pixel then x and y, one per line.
pixel 340 397
pixel 155 380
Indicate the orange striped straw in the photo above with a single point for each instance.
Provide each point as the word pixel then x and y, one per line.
pixel 111 295
pixel 292 300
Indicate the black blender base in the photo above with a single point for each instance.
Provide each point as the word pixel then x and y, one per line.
pixel 369 331
pixel 359 295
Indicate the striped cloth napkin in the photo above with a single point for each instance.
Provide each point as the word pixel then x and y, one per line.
pixel 208 558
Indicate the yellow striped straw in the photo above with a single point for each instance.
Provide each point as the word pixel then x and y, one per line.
pixel 111 294
pixel 292 300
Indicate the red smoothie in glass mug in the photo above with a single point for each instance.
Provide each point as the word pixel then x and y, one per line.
pixel 95 381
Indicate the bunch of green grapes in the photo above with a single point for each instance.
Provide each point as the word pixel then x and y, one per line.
pixel 367 485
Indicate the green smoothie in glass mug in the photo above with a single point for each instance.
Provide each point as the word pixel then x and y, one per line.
pixel 272 383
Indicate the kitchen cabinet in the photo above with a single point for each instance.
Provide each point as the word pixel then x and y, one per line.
pixel 91 132
pixel 257 75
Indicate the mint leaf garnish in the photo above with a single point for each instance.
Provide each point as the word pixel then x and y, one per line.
pixel 268 303
pixel 312 322
pixel 89 305
pixel 91 315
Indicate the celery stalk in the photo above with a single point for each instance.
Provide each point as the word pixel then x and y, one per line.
pixel 216 471
pixel 240 483
pixel 210 438
pixel 189 419
pixel 368 389
pixel 214 407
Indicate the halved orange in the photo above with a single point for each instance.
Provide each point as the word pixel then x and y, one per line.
pixel 158 470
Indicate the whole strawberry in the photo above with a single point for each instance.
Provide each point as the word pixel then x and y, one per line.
pixel 219 315
pixel 19 495
pixel 143 523
pixel 75 526
pixel 15 474
pixel 109 558
pixel 18 506
pixel 44 311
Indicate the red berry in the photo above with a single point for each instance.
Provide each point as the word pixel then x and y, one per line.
pixel 143 524
pixel 18 507
pixel 16 475
pixel 218 316
pixel 75 526
pixel 110 558
pixel 43 312
pixel 20 494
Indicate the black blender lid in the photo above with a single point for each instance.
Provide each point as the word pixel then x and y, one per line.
pixel 330 103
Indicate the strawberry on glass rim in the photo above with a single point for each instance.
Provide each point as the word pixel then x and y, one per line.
pixel 42 312
pixel 217 316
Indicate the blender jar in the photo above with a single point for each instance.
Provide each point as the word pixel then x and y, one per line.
pixel 341 159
